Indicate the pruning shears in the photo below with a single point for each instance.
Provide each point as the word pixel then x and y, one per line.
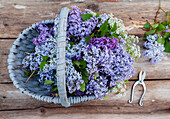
pixel 140 82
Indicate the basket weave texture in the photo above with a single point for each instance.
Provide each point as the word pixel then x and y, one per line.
pixel 24 43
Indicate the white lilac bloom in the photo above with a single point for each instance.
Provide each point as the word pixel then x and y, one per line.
pixel 154 50
pixel 131 40
pixel 120 24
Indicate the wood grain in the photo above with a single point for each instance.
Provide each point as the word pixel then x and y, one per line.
pixel 156 101
pixel 17 15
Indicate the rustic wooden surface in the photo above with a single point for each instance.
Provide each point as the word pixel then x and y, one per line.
pixel 16 15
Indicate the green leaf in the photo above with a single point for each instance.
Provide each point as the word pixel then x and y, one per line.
pixel 53 89
pixel 168 22
pixel 154 26
pixel 161 40
pixel 167 46
pixel 26 74
pixel 144 38
pixel 127 81
pixel 168 13
pixel 166 35
pixel 88 38
pixel 164 23
pixel 42 65
pixel 104 28
pixel 105 98
pixel 83 64
pixel 160 28
pixel 96 74
pixel 82 87
pixel 53 74
pixel 114 28
pixel 48 82
pixel 114 35
pixel 84 77
pixel 150 32
pixel 85 72
pixel 147 26
pixel 86 16
pixel 97 14
pixel 77 63
pixel 45 58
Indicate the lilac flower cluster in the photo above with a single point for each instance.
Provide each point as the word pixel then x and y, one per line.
pixel 45 33
pixel 154 50
pixel 103 41
pixel 75 51
pixel 45 46
pixel 103 18
pixel 30 61
pixel 108 65
pixel 77 27
pixel 73 78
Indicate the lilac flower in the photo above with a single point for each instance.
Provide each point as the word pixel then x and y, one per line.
pixel 30 61
pixel 109 64
pixel 77 27
pixel 73 78
pixel 103 18
pixel 98 87
pixel 45 33
pixel 103 41
pixel 154 50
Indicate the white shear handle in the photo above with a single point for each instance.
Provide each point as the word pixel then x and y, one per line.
pixel 141 82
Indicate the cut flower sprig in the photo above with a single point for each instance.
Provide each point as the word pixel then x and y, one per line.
pixel 157 38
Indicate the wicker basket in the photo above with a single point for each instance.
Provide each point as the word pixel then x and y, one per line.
pixel 24 43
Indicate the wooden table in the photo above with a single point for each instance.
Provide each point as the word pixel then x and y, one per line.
pixel 17 15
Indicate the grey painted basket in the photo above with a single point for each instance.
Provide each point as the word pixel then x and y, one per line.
pixel 24 43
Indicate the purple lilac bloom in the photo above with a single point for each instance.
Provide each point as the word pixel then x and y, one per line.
pixel 75 51
pixel 109 64
pixel 103 41
pixel 73 78
pixel 103 18
pixel 45 33
pixel 34 60
pixel 30 61
pixel 154 50
pixel 77 27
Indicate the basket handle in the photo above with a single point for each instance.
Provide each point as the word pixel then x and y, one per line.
pixel 60 68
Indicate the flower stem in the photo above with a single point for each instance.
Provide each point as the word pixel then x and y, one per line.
pixel 159 8
pixel 18 67
pixel 30 77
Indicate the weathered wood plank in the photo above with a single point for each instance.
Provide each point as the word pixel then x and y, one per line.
pixel 153 71
pixel 17 15
pixel 156 101
pixel 39 114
